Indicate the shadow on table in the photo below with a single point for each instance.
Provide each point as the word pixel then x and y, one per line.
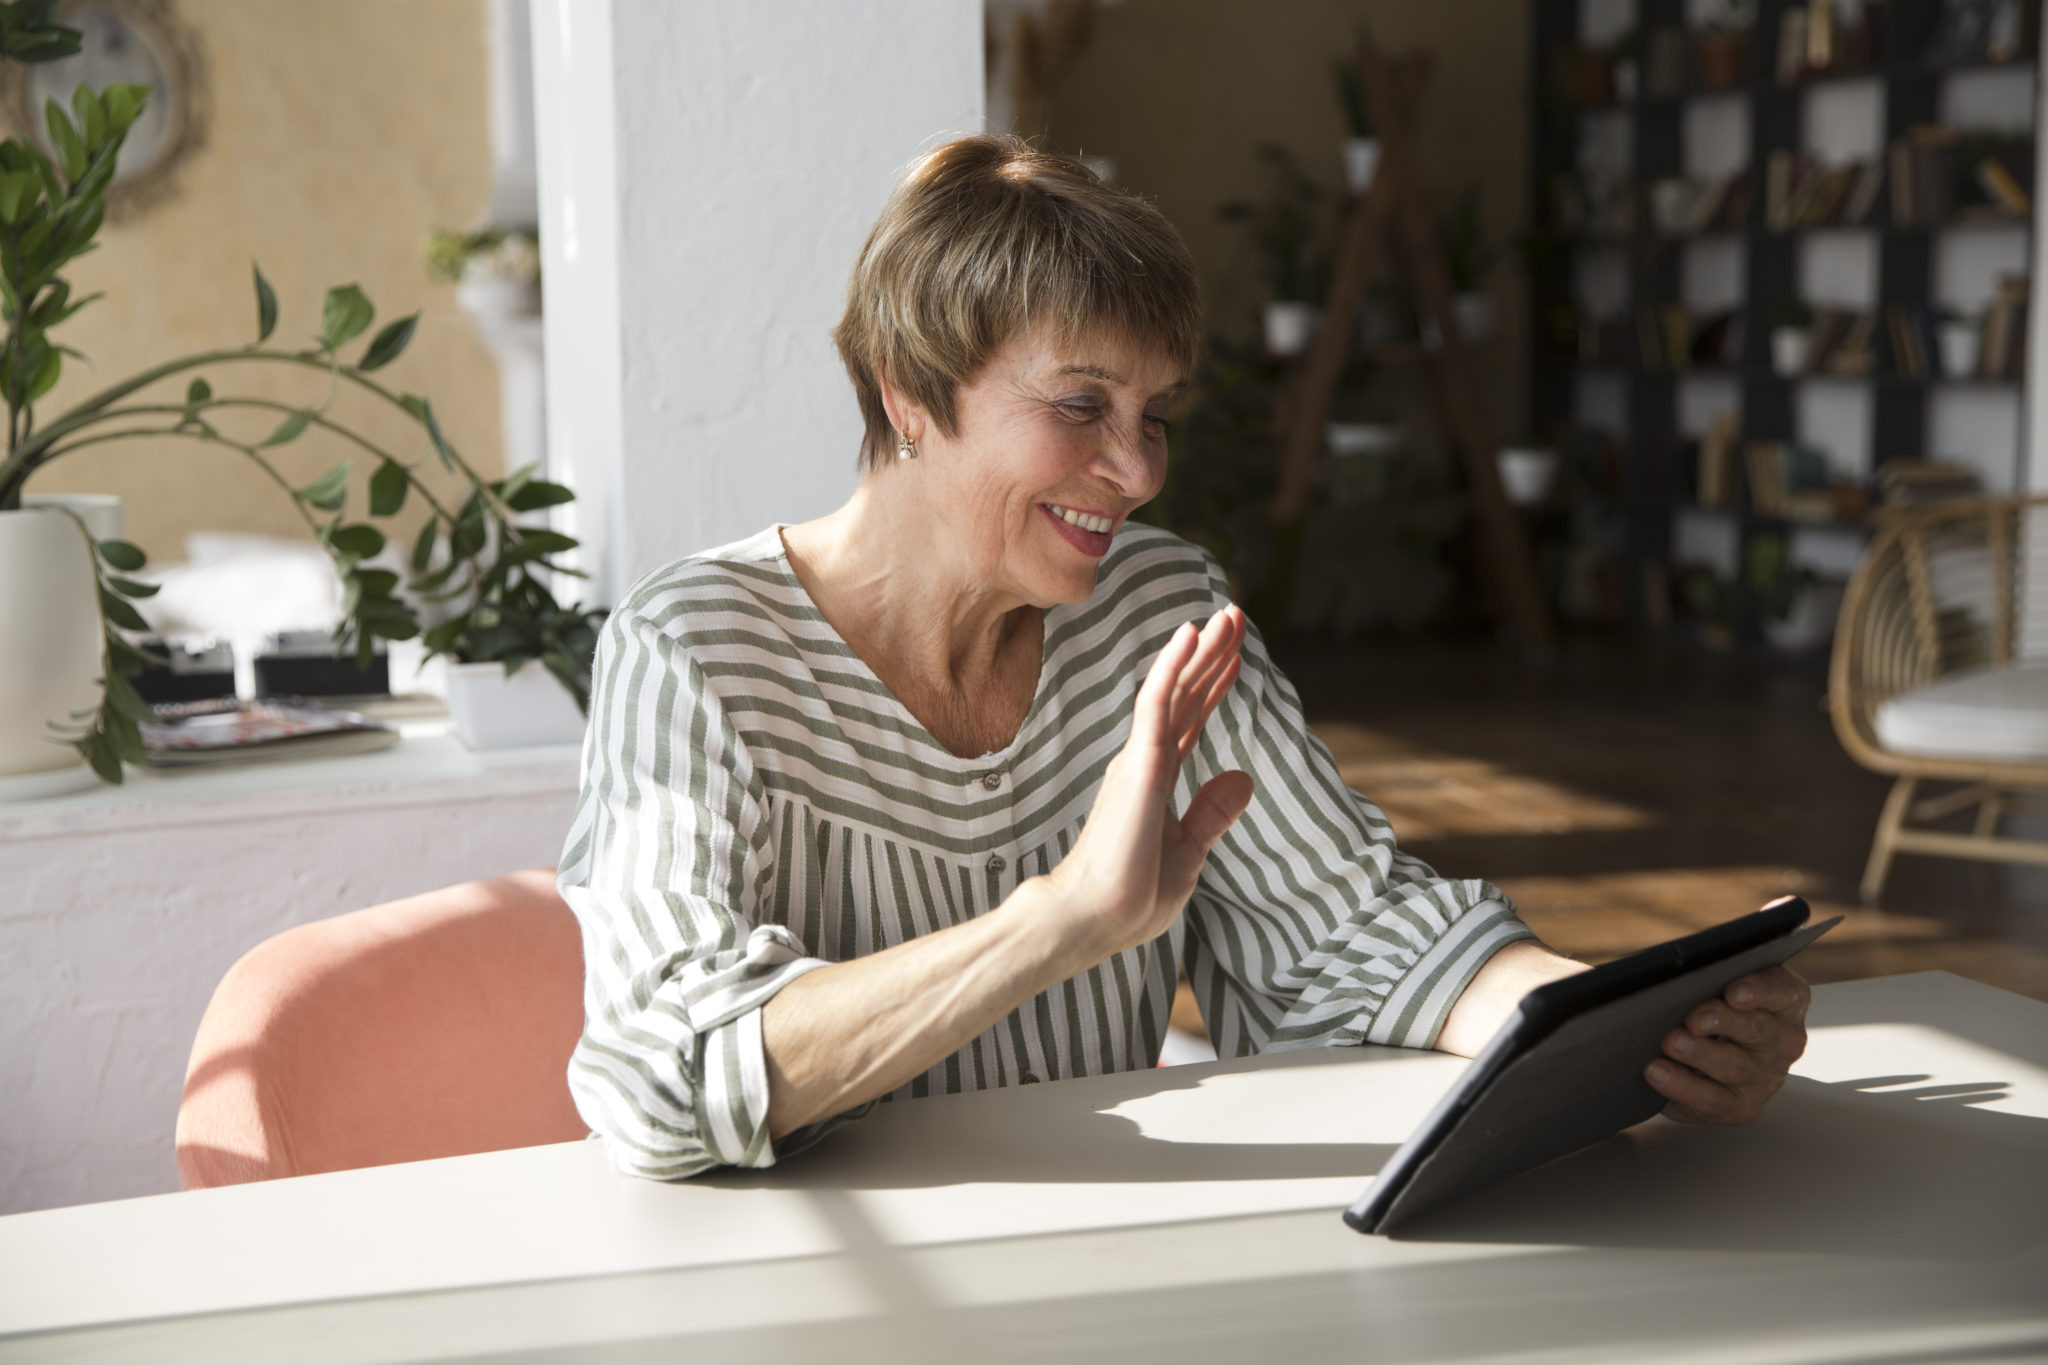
pixel 1918 1173
pixel 1056 1134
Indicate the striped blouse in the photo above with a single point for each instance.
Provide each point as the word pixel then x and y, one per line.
pixel 756 804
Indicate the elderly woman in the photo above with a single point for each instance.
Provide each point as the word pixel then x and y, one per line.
pixel 869 812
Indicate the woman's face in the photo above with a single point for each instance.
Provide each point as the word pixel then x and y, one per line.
pixel 1054 446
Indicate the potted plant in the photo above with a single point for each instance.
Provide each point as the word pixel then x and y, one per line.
pixel 1468 257
pixel 1795 608
pixel 1362 148
pixel 1722 44
pixel 519 663
pixel 1281 229
pixel 67 601
pixel 496 270
pixel 1790 331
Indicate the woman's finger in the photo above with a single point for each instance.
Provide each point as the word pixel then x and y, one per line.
pixel 1215 808
pixel 1777 990
pixel 1153 712
pixel 1715 1019
pixel 1212 651
pixel 1693 1098
pixel 1217 692
pixel 1729 1063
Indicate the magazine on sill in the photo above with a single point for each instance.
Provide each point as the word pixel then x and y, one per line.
pixel 224 730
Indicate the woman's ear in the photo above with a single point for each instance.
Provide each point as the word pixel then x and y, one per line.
pixel 904 414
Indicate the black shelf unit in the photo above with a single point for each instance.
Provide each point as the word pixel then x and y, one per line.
pixel 1650 495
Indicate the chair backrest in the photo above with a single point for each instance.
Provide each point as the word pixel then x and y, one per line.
pixel 438 1025
pixel 1942 587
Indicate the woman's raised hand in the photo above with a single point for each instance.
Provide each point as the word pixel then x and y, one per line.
pixel 1135 864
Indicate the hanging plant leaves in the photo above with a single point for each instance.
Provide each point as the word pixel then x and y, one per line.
pixel 46 376
pixel 122 696
pixel 536 494
pixel 345 314
pixel 358 540
pixel 329 490
pixel 387 489
pixel 128 587
pixel 389 344
pixel 198 391
pixel 120 613
pixel 123 555
pixel 287 430
pixel 422 409
pixel 423 548
pixel 64 138
pixel 266 306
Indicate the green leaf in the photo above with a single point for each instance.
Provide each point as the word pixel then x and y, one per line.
pixel 120 613
pixel 329 490
pixel 198 391
pixel 422 409
pixel 128 587
pixel 122 696
pixel 287 430
pixel 389 344
pixel 387 488
pixel 18 191
pixel 102 758
pixel 544 542
pixel 423 547
pixel 377 582
pixel 443 637
pixel 46 377
pixel 345 314
pixel 266 306
pixel 537 494
pixel 64 137
pixel 91 117
pixel 123 555
pixel 124 104
pixel 358 540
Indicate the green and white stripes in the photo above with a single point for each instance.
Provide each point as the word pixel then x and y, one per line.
pixel 757 804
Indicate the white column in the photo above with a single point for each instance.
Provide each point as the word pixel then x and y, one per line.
pixel 707 172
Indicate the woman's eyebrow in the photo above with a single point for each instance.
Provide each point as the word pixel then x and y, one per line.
pixel 1096 372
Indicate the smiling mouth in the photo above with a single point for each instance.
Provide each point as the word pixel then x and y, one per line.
pixel 1087 521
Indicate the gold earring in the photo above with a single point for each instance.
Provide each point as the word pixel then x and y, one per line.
pixel 905 450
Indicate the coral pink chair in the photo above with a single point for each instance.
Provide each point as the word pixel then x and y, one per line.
pixel 433 1026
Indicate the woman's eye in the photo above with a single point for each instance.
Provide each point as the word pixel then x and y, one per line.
pixel 1085 412
pixel 1157 423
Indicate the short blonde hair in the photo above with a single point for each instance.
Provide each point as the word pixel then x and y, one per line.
pixel 985 238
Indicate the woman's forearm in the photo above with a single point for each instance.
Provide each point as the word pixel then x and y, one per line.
pixel 1494 992
pixel 850 1032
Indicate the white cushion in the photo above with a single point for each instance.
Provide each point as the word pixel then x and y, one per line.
pixel 1998 713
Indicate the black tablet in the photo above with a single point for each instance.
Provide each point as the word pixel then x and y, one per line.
pixel 1566 1070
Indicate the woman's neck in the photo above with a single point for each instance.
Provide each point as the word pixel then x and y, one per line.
pixel 960 653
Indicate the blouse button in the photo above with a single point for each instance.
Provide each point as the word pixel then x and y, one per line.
pixel 993 781
pixel 1030 1078
pixel 996 863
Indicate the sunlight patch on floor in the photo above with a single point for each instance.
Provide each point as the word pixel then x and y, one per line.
pixel 1428 794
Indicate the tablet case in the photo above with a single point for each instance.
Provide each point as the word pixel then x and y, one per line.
pixel 1574 1086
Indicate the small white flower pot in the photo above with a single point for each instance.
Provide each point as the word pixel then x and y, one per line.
pixel 1788 349
pixel 492 711
pixel 1959 347
pixel 50 650
pixel 1811 622
pixel 1527 475
pixel 1361 163
pixel 1290 326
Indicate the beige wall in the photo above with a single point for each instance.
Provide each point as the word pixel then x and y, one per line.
pixel 1179 92
pixel 342 131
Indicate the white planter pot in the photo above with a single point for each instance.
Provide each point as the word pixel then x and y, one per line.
pixel 492 711
pixel 1788 349
pixel 1959 349
pixel 495 296
pixel 1811 622
pixel 50 649
pixel 1527 475
pixel 1474 315
pixel 1361 163
pixel 1291 326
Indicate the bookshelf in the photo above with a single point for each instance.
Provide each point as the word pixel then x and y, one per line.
pixel 1666 248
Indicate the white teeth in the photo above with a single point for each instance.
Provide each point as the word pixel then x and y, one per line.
pixel 1099 525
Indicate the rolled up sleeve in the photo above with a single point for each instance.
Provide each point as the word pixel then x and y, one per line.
pixel 665 856
pixel 1309 928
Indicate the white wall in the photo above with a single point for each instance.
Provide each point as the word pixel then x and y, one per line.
pixel 707 172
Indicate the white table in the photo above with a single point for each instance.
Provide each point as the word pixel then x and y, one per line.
pixel 1891 1206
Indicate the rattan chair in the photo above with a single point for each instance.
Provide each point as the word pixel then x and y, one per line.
pixel 1940 674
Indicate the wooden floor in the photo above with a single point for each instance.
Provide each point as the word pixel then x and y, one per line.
pixel 1628 793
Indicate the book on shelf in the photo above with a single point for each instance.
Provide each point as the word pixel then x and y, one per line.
pixel 2002 352
pixel 2003 189
pixel 1786 479
pixel 225 730
pixel 1988 31
pixel 1719 470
